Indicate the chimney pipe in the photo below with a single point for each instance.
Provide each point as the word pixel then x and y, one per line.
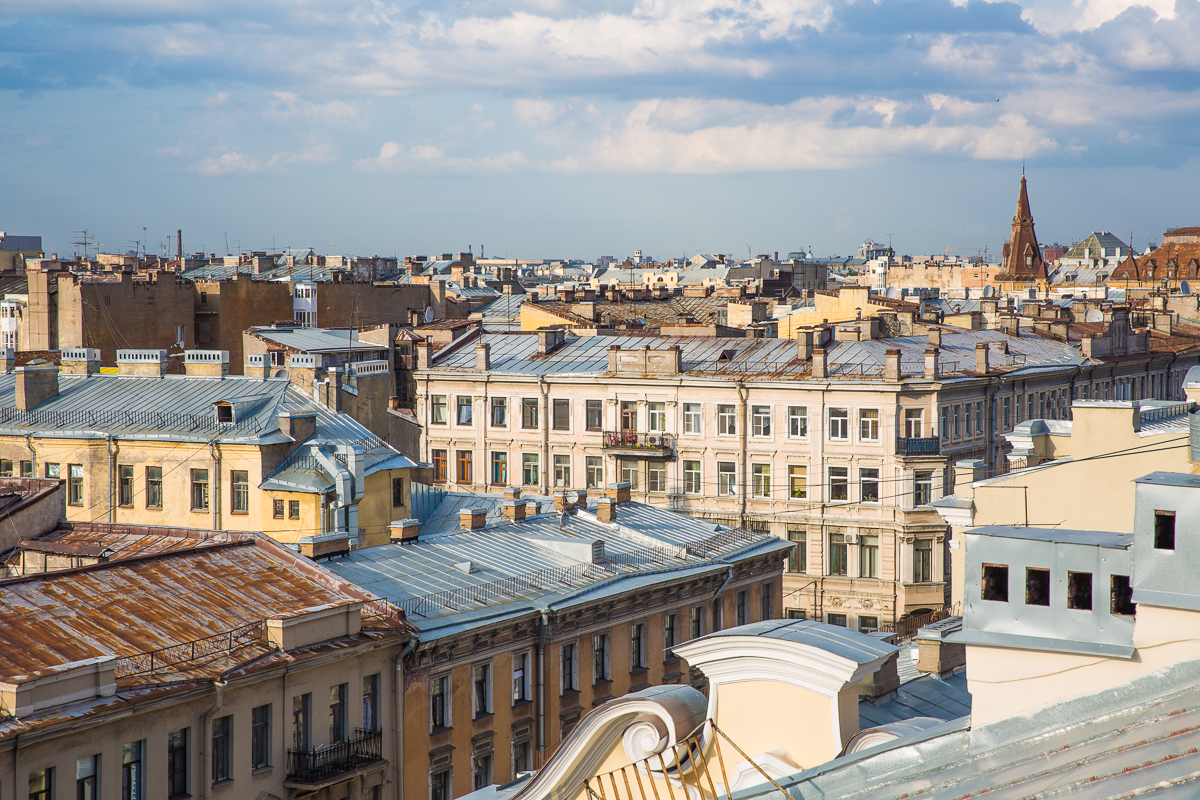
pixel 981 358
pixel 606 509
pixel 483 359
pixel 620 491
pixel 935 337
pixel 179 248
pixel 514 510
pixel 472 519
pixel 819 363
pixel 404 530
pixel 891 369
pixel 931 363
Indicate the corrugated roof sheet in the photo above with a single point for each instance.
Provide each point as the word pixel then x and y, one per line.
pixel 316 340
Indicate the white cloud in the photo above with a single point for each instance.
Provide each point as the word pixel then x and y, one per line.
pixel 536 113
pixel 394 157
pixel 226 164
pixel 215 101
pixel 289 105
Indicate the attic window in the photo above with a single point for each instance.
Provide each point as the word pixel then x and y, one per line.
pixel 1122 596
pixel 1164 530
pixel 1079 591
pixel 995 582
pixel 1037 587
pixel 728 355
pixel 224 412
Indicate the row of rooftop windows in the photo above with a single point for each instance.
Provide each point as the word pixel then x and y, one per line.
pixel 995 588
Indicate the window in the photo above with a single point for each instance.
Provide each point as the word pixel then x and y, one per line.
pixel 199 490
pixel 795 613
pixel 760 420
pixel 482 690
pixel 656 417
pixel 1079 591
pixel 718 615
pixel 1037 587
pixel 691 477
pixel 75 484
pixel 500 469
pixel 836 619
pixel 439 702
pixel 53 471
pixel 670 620
pixel 954 416
pixel 1121 598
pixel 656 476
pixel 922 487
pixel 595 471
pixel 520 758
pixel 133 775
pixel 439 465
pixel 439 785
pixel 839 554
pixel 462 411
pixel 1005 406
pixel 797 421
pixel 839 483
pixel 739 608
pixel 26 469
pixel 482 772
pixel 868 557
pixel 561 412
pixel 1164 530
pixel 499 412
pixel 302 721
pixel 995 581
pixel 397 492
pixel 868 624
pixel 87 775
pixel 798 557
pixel 260 737
pixel 629 415
pixel 338 702
pixel 529 412
pixel 766 601
pixel 839 424
pixel 979 418
pixel 797 482
pixel 529 469
pixel 761 477
pixel 868 484
pixel 570 675
pixel 41 784
pixel 914 423
pixel 521 675
pixel 1029 404
pixel 726 420
pixel 595 415
pixel 125 490
pixel 177 763
pixel 6 468
pixel 154 487
pixel 628 471
pixel 726 478
pixel 239 491
pixel 697 621
pixel 600 657
pixel 945 426
pixel 637 646
pixel 222 749
pixel 293 509
pixel 868 424
pixel 371 702
pixel 464 459
pixel 562 470
pixel 437 409
pixel 692 420
pixel 967 420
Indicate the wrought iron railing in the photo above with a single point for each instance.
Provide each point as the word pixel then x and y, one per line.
pixel 633 440
pixel 329 761
pixel 907 627
pixel 182 655
pixel 87 418
pixel 925 446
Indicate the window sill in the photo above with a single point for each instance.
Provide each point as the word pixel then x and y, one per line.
pixel 201 511
pixel 222 782
pixel 239 513
pixel 485 717
pixel 261 770
pixel 154 508
pixel 521 704
pixel 438 731
pixel 569 694
pixel 602 685
pixel 276 517
pixel 130 505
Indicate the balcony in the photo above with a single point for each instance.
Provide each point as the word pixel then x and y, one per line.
pixel 329 764
pixel 928 446
pixel 632 443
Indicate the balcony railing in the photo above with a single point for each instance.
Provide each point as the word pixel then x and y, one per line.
pixel 635 442
pixel 331 761
pixel 927 446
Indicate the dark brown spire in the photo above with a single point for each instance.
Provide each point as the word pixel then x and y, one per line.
pixel 1022 255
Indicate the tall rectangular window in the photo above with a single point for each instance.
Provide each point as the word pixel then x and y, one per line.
pixel 595 471
pixel 954 416
pixel 302 721
pixel 562 471
pixel 154 487
pixel 967 420
pixel 338 729
pixel 868 485
pixel 979 417
pixel 797 421
pixel 761 477
pixel 75 484
pixel 760 420
pixel 87 777
pixel 600 657
pixel 397 492
pixel 481 681
pixel 692 419
pixel 629 415
pixel 125 488
pixel 562 414
pixel 440 460
pixel 462 409
pixel 133 776
pixel 529 412
pixel 371 721
pixel 199 490
pixel 914 427
pixel 521 674
pixel 797 481
pixel 531 474
pixel 945 423
pixel 239 491
pixel 439 702
pixel 481 772
pixel 437 409
pixel 726 478
pixel 766 601
pixel 595 415
pixel 656 417
pixel 628 471
pixel 499 469
pixel 41 784
pixel 868 557
pixel 922 487
pixel 727 420
pixel 739 608
pixel 260 737
pixel 868 424
pixel 1164 530
pixel 839 483
pixel 839 554
pixel 697 621
pixel 466 470
pixel 222 749
pixel 839 424
pixel 923 561
pixel 439 785
pixel 6 468
pixel 177 763
pixel 670 621
pixel 637 645
pixel 570 676
pixel 499 412
pixel 798 556
pixel 293 509
pixel 691 477
pixel 656 476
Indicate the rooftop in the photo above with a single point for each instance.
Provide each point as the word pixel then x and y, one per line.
pixel 317 340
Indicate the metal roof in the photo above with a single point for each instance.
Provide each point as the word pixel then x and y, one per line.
pixel 844 642
pixel 1115 541
pixel 316 340
pixel 926 696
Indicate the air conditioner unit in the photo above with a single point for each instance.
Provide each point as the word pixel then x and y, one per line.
pixel 851 538
pixel 654 441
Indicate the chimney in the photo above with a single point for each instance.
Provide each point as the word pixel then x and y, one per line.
pixel 206 363
pixel 514 510
pixel 935 337
pixel 80 361
pixel 581 499
pixel 619 492
pixel 819 363
pixel 512 492
pixel 258 365
pixel 804 345
pixel 606 509
pixel 151 363
pixel 981 358
pixel 299 425
pixel 404 531
pixel 548 340
pixel 332 388
pixel 931 363
pixel 36 383
pixel 532 508
pixel 8 359
pixel 424 354
pixel 483 357
pixel 179 248
pixel 891 368
pixel 472 519
pixel 561 503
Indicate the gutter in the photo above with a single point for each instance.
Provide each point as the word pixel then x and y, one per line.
pixel 206 736
pixel 32 455
pixel 742 394
pixel 541 687
pixel 398 712
pixel 215 494
pixel 112 470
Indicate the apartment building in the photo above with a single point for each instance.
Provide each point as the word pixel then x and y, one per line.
pixel 526 625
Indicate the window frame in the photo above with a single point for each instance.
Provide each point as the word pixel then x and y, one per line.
pixel 594 415
pixel 797 422
pixel 693 418
pixel 839 424
pixel 693 476
pixel 438 410
pixel 760 421
pixel 498 413
pixel 239 491
pixel 529 413
pixel 601 653
pixel 726 419
pixel 560 415
pixel 200 491
pixel 869 427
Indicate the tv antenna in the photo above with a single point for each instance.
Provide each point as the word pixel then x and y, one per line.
pixel 226 235
pixel 85 241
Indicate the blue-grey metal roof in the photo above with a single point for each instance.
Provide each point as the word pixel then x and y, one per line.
pixel 926 696
pixel 849 644
pixel 444 518
pixel 317 340
pixel 1115 541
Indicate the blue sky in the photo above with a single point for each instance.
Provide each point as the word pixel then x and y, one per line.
pixel 542 128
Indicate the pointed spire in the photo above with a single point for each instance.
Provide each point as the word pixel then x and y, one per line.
pixel 1023 213
pixel 1022 255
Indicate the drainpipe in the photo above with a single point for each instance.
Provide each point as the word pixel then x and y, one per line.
pixel 397 714
pixel 717 594
pixel 215 496
pixel 206 737
pixel 547 467
pixel 742 395
pixel 541 692
pixel 32 455
pixel 110 444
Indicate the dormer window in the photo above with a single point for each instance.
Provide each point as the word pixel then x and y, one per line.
pixel 224 413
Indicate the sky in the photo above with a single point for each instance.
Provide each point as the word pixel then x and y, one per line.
pixel 547 129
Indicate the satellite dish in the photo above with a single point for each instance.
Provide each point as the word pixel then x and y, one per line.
pixel 893 293
pixel 429 315
pixel 1094 315
pixel 989 291
pixel 1185 287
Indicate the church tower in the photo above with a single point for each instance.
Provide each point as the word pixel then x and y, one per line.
pixel 1023 262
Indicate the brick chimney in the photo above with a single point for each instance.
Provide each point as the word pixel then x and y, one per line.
pixel 8 359
pixel 819 363
pixel 619 492
pixel 606 509
pixel 804 345
pixel 981 358
pixel 36 383
pixel 404 531
pixel 512 492
pixel 514 510
pixel 424 354
pixel 891 368
pixel 142 362
pixel 472 519
pixel 931 363
pixel 581 499
pixel 258 365
pixel 483 357
pixel 80 361
pixel 532 508
pixel 935 337
pixel 206 363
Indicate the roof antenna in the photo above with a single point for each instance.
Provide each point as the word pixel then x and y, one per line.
pixel 1022 166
